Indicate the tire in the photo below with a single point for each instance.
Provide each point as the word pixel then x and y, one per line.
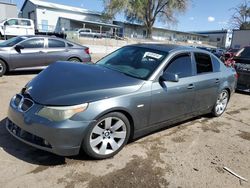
pixel 3 68
pixel 74 59
pixel 107 137
pixel 221 103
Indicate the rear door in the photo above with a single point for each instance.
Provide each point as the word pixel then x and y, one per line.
pixel 32 54
pixel 206 81
pixel 56 50
pixel 171 100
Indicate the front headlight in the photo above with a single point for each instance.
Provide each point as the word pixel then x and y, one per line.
pixel 58 113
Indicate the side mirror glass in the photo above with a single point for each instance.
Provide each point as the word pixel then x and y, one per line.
pixel 170 77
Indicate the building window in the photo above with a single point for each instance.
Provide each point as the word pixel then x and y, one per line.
pixel 218 39
pixel 45 26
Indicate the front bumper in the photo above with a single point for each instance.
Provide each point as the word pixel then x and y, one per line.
pixel 61 138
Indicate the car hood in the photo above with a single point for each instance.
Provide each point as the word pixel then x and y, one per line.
pixel 65 83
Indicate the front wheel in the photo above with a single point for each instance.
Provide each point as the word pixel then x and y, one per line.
pixel 107 137
pixel 221 103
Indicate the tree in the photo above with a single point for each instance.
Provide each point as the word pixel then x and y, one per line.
pixel 241 16
pixel 145 11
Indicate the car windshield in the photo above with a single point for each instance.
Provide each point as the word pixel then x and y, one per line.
pixel 11 42
pixel 134 61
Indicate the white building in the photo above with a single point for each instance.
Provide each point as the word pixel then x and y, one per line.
pixel 222 38
pixel 52 17
pixel 7 10
pixel 240 38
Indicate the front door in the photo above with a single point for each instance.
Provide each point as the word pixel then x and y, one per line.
pixel 32 54
pixel 170 100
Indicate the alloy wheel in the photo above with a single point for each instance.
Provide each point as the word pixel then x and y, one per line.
pixel 108 135
pixel 221 103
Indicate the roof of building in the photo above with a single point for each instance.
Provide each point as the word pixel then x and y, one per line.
pixel 223 31
pixel 91 22
pixel 60 7
pixel 160 28
pixel 7 3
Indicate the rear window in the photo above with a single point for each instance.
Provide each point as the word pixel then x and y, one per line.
pixel 244 52
pixel 53 43
pixel 203 63
pixel 216 64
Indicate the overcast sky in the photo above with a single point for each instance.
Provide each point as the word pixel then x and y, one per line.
pixel 201 14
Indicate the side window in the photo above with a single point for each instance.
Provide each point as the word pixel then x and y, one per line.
pixel 53 43
pixel 24 22
pixel 11 22
pixel 216 64
pixel 180 65
pixel 33 43
pixel 203 63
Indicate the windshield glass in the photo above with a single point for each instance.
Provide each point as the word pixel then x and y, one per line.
pixel 11 42
pixel 134 61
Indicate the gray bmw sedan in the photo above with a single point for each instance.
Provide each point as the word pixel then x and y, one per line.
pixel 127 94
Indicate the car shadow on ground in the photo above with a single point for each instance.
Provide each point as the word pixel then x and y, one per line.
pixel 27 72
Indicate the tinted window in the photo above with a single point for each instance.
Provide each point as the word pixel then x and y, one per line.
pixel 134 61
pixel 53 43
pixel 216 64
pixel 180 65
pixel 24 22
pixel 33 43
pixel 11 42
pixel 12 22
pixel 203 63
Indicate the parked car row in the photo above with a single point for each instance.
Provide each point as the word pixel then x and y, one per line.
pixel 37 52
pixel 133 91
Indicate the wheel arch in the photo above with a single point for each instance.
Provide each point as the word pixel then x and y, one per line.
pixel 5 62
pixel 71 57
pixel 126 114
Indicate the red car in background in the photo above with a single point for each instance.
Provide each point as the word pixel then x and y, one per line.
pixel 228 57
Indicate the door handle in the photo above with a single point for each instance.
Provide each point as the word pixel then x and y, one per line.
pixel 217 80
pixel 190 86
pixel 42 52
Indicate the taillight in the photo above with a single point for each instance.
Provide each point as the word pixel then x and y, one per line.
pixel 86 50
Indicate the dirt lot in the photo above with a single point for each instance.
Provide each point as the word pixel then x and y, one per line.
pixel 191 154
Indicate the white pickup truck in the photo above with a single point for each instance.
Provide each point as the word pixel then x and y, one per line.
pixel 16 27
pixel 86 32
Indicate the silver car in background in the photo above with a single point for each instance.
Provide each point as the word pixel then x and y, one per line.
pixel 127 94
pixel 37 52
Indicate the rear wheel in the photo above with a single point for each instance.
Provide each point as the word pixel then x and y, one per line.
pixel 3 68
pixel 74 59
pixel 107 137
pixel 221 103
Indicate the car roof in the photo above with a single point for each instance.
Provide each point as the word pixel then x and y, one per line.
pixel 162 47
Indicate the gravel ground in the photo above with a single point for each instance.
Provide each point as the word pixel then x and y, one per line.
pixel 190 154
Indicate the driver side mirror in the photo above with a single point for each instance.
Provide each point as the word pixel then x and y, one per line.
pixel 170 77
pixel 18 48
